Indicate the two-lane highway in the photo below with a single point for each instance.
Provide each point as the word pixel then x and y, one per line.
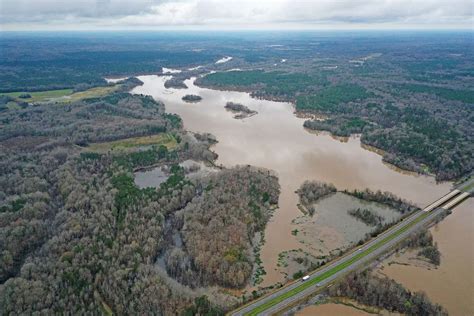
pixel 298 290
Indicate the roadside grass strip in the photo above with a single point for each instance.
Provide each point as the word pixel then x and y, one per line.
pixel 468 186
pixel 337 268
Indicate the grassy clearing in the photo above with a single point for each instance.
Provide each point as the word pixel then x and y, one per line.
pixel 165 139
pixel 61 96
pixel 12 105
pixel 39 96
pixel 335 269
pixel 90 93
pixel 468 186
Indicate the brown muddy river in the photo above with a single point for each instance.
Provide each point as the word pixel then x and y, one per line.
pixel 452 283
pixel 275 139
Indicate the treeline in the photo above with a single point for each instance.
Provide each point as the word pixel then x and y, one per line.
pixel 272 84
pixel 424 240
pixel 412 137
pixel 369 289
pixel 386 198
pixel 366 216
pixel 466 96
pixel 333 98
pixel 311 191
pixel 37 63
pixel 339 126
pixel 432 142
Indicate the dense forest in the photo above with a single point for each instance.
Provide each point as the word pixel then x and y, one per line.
pixel 233 206
pixel 411 97
pixel 36 62
pixel 416 134
pixel 416 105
pixel 268 85
pixel 78 235
pixel 369 289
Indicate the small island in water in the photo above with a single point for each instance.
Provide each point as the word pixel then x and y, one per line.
pixel 240 110
pixel 191 98
pixel 175 83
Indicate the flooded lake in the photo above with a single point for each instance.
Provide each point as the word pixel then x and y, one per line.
pixel 154 177
pixel 452 283
pixel 150 178
pixel 275 139
pixel 332 227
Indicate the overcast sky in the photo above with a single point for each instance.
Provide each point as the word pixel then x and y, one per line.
pixel 233 14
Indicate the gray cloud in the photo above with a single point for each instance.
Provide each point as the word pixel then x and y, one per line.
pixel 27 10
pixel 116 14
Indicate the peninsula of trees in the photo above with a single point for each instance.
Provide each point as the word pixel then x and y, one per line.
pixel 78 235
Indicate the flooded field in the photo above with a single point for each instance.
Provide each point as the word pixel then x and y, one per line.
pixel 275 139
pixel 150 178
pixel 331 227
pixel 156 176
pixel 452 283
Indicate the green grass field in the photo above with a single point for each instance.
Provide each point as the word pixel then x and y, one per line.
pixel 165 139
pixel 468 186
pixel 59 96
pixel 12 105
pixel 335 269
pixel 90 93
pixel 40 96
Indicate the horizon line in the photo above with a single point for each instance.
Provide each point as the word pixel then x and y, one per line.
pixel 237 30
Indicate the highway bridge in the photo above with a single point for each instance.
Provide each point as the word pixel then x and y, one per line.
pixel 298 290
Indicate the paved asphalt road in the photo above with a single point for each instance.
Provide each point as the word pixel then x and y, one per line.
pixel 358 263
